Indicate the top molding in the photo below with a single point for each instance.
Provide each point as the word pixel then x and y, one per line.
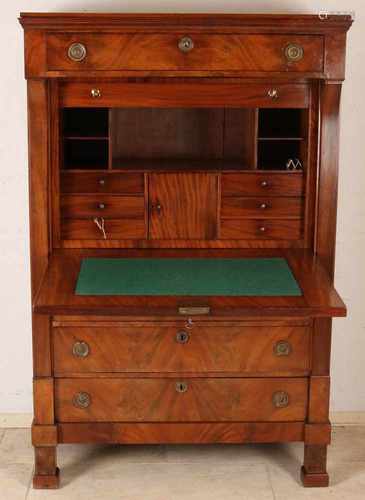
pixel 300 23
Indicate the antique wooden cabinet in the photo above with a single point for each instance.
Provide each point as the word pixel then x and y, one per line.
pixel 183 137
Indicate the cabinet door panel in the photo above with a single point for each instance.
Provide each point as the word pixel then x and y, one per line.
pixel 183 206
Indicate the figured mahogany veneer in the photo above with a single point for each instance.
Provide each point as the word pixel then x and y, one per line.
pixel 183 135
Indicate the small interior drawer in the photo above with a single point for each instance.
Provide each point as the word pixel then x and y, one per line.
pixel 261 229
pixel 185 52
pixel 107 229
pixel 102 182
pixel 262 184
pixel 123 207
pixel 261 207
pixel 176 400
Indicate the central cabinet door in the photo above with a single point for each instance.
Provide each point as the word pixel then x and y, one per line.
pixel 183 206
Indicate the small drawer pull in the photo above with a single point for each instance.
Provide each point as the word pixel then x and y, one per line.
pixel 80 349
pixel 101 206
pixel 95 93
pixel 186 44
pixel 280 399
pixel 102 182
pixel 182 337
pixel 77 52
pixel 273 94
pixel 262 229
pixel 294 52
pixel 263 206
pixel 264 184
pixel 282 348
pixel 81 400
pixel 181 387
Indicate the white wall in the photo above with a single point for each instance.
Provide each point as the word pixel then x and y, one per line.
pixel 348 388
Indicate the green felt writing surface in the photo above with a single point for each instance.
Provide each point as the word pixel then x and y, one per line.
pixel 187 276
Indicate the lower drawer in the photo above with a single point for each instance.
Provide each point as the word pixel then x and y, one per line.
pixel 92 229
pixel 172 349
pixel 175 400
pixel 261 229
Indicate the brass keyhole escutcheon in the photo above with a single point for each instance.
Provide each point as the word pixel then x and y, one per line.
pixel 280 399
pixel 81 400
pixel 186 44
pixel 181 387
pixel 282 348
pixel 294 52
pixel 182 337
pixel 80 349
pixel 77 52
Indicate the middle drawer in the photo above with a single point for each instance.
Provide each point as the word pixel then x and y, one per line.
pixel 170 349
pixel 126 207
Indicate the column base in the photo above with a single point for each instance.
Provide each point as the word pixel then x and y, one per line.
pixel 47 482
pixel 314 480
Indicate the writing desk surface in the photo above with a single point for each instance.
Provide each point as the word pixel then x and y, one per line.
pixel 318 299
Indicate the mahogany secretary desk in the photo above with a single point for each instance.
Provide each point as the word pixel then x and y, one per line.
pixel 193 142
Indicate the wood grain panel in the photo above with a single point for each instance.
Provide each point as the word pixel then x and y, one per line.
pixel 262 208
pixel 161 52
pixel 123 207
pixel 262 184
pixel 115 229
pixel 157 400
pixel 261 229
pixel 156 349
pixel 102 182
pixel 188 206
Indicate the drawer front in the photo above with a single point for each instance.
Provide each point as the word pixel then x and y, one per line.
pixel 261 229
pixel 182 94
pixel 263 207
pixel 115 229
pixel 176 400
pixel 74 206
pixel 95 182
pixel 262 184
pixel 251 349
pixel 201 52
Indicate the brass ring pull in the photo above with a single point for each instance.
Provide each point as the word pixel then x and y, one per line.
pixel 80 349
pixel 294 52
pixel 77 52
pixel 186 44
pixel 273 94
pixel 282 348
pixel 95 93
pixel 181 387
pixel 182 337
pixel 81 400
pixel 280 399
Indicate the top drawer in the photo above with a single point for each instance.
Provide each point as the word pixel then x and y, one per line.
pixel 183 52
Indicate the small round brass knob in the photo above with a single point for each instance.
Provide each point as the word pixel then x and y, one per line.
pixel 273 94
pixel 182 337
pixel 102 182
pixel 101 206
pixel 264 184
pixel 263 206
pixel 181 387
pixel 95 93
pixel 280 399
pixel 81 400
pixel 294 52
pixel 186 44
pixel 282 348
pixel 77 52
pixel 80 349
pixel 262 229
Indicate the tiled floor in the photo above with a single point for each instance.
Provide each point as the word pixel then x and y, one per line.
pixel 247 472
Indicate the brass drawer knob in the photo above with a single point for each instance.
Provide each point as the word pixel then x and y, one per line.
pixel 181 387
pixel 262 229
pixel 294 52
pixel 95 93
pixel 81 400
pixel 273 94
pixel 77 52
pixel 264 184
pixel 182 337
pixel 101 206
pixel 102 182
pixel 282 348
pixel 80 349
pixel 280 399
pixel 186 44
pixel 264 206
